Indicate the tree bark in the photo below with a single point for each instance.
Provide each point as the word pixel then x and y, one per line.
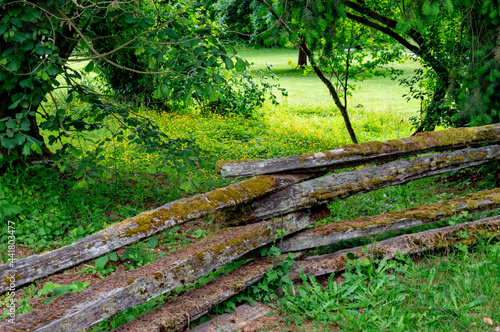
pixel 436 110
pixel 342 108
pixel 302 60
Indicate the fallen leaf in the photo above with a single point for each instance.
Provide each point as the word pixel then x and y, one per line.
pixel 488 321
pixel 497 329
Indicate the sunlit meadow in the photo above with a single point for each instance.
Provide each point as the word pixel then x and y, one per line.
pixel 305 121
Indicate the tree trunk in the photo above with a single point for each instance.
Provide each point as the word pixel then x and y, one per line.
pixel 342 108
pixel 433 239
pixel 302 61
pixel 123 290
pixel 369 226
pixel 323 190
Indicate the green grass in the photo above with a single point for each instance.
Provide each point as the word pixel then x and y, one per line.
pixel 50 210
pixel 379 93
pixel 448 291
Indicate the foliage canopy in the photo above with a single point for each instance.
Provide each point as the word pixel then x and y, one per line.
pixel 165 52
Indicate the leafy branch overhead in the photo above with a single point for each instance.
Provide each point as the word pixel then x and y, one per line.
pixel 162 55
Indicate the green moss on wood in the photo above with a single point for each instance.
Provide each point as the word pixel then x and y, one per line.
pixel 443 138
pixel 197 205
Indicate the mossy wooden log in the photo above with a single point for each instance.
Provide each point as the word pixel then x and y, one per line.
pixel 368 226
pixel 142 226
pixel 241 319
pixel 77 311
pixel 406 244
pixel 337 186
pixel 176 315
pixel 364 153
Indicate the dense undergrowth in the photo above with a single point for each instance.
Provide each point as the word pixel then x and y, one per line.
pixel 52 208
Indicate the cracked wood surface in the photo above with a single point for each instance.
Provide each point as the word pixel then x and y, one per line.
pixel 240 319
pixel 368 226
pixel 337 186
pixel 77 311
pixel 370 152
pixel 176 315
pixel 406 244
pixel 142 226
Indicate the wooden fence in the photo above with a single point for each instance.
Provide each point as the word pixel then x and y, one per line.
pixel 288 193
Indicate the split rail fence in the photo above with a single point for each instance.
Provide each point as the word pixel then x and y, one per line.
pixel 293 192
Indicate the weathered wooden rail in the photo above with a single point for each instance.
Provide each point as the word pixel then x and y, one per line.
pixel 256 208
pixel 365 153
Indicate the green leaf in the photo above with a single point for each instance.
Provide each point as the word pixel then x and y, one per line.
pixel 76 152
pixel 7 143
pixel 49 299
pixel 171 33
pixel 227 60
pixel 26 83
pixel 89 67
pixel 25 103
pixel 153 242
pixel 80 184
pixel 62 289
pixel 19 37
pixel 157 94
pixel 219 79
pixel 19 139
pixel 199 50
pixel 129 19
pixel 10 210
pixel 101 262
pixel 24 125
pixel 11 123
pixel 240 65
pixel 27 149
pixel 113 257
pixel 165 91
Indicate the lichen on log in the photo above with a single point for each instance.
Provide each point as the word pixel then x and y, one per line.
pixel 406 244
pixel 142 226
pixel 364 153
pixel 77 311
pixel 368 226
pixel 337 186
pixel 176 314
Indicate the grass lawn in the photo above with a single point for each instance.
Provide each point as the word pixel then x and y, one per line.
pixel 440 291
pixel 379 93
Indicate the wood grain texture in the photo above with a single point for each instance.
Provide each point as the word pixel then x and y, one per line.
pixel 337 186
pixel 350 229
pixel 406 244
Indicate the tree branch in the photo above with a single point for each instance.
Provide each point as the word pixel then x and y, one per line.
pixel 385 30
